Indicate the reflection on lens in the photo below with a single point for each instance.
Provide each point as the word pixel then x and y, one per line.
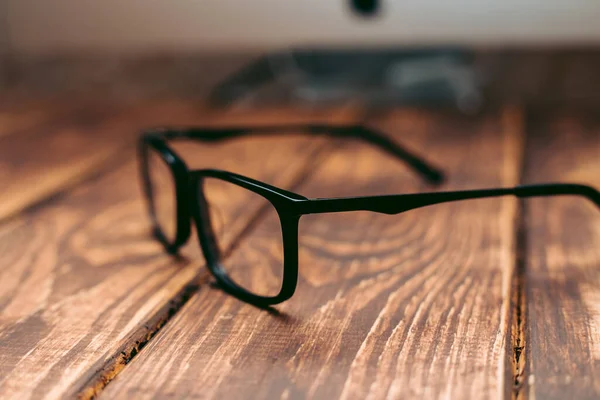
pixel 248 231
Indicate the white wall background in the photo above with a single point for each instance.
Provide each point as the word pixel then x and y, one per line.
pixel 45 26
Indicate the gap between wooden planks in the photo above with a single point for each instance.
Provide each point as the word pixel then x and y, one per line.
pixel 562 278
pixel 417 305
pixel 83 286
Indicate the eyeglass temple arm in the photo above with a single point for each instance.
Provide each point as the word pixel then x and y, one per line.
pixel 429 172
pixel 395 204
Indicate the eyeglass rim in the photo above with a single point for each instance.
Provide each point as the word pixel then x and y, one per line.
pixel 291 206
pixel 188 188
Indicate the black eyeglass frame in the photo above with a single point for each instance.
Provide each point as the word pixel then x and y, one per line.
pixel 191 203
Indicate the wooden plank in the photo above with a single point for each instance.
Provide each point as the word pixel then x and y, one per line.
pixel 21 115
pixel 15 119
pixel 562 261
pixel 83 286
pixel 48 159
pixel 415 305
pixel 41 161
pixel 178 75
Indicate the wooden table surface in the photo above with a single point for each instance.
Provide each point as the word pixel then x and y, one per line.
pixel 488 298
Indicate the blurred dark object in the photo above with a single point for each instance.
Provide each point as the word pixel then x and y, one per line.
pixel 365 7
pixel 425 77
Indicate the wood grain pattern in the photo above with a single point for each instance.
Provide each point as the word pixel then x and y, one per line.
pixel 84 287
pixel 563 261
pixel 49 158
pixel 82 140
pixel 415 305
pixel 37 165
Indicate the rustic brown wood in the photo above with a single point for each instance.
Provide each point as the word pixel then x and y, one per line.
pixel 557 76
pixel 542 77
pixel 415 305
pixel 39 162
pixel 84 287
pixel 563 260
pixel 77 142
pixel 14 119
pixel 120 76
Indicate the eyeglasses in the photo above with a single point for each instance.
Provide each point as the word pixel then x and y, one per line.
pixel 180 195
